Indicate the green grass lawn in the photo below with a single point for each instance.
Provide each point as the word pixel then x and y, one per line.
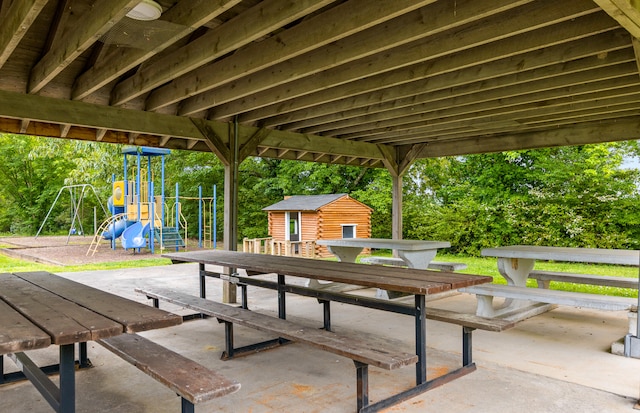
pixel 481 266
pixel 10 264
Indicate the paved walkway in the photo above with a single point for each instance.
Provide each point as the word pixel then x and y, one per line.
pixel 555 362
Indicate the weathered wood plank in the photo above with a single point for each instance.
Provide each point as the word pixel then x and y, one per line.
pixel 345 345
pixel 344 20
pixel 17 333
pixel 256 22
pixel 185 15
pixel 468 320
pixel 88 29
pixel 184 376
pixel 15 24
pixel 528 17
pixel 64 321
pixel 396 279
pixel 133 316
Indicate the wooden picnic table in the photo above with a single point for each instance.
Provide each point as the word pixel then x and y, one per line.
pixel 419 283
pixel 40 309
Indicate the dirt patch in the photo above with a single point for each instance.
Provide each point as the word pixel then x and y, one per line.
pixel 58 250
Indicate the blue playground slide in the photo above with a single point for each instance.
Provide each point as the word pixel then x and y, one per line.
pixel 116 229
pixel 135 236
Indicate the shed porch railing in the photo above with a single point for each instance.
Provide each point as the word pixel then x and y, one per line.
pixel 271 246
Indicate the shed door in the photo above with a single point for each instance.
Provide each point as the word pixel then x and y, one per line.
pixel 293 226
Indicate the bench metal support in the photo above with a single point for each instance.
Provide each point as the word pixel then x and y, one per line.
pixel 232 352
pixel 362 384
pixel 203 284
pixel 326 310
pixel 62 398
pixel 467 345
pixel 187 406
pixel 282 299
pixel 83 362
pixel 421 339
pixel 419 389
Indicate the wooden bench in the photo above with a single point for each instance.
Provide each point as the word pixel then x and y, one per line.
pixel 398 262
pixel 544 279
pixel 362 352
pixel 485 294
pixel 193 382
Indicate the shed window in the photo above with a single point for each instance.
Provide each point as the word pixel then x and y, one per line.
pixel 348 230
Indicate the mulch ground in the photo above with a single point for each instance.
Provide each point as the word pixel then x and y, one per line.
pixel 65 251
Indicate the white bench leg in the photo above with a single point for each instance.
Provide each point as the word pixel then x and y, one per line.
pixel 485 306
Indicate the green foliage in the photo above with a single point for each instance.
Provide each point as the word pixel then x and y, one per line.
pixel 575 196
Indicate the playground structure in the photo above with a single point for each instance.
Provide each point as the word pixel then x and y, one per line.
pixel 141 219
pixel 77 195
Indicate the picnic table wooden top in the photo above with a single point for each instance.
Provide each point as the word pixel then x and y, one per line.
pixel 38 309
pixel 587 255
pixel 407 280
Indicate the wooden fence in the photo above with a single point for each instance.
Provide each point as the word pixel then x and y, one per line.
pixel 270 246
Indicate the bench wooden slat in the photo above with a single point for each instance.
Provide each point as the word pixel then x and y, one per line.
pixel 348 346
pixel 592 279
pixel 64 321
pixel 184 376
pixel 608 303
pixel 18 333
pixel 469 320
pixel 132 315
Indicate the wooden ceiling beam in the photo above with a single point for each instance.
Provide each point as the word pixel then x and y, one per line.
pixel 15 22
pixel 479 58
pixel 580 134
pixel 493 122
pixel 572 84
pixel 337 23
pixel 625 12
pixel 88 29
pixel 419 24
pixel 259 21
pixel 186 16
pixel 520 20
pixel 517 112
pixel 557 61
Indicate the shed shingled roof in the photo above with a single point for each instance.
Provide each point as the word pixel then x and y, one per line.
pixel 304 202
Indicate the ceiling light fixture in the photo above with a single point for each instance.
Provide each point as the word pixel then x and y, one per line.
pixel 145 10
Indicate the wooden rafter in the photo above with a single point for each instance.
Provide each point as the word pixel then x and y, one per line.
pixel 88 29
pixel 625 12
pixel 186 15
pixel 342 21
pixel 15 22
pixel 262 19
pixel 411 26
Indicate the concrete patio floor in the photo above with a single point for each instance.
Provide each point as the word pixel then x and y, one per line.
pixel 555 362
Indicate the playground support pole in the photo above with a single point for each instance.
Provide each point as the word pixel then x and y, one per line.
pixel 214 217
pixel 199 216
pixel 178 213
pixel 162 193
pixel 113 227
pixel 152 221
pixel 138 182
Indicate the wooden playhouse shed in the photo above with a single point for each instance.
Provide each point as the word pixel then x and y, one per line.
pixel 303 218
